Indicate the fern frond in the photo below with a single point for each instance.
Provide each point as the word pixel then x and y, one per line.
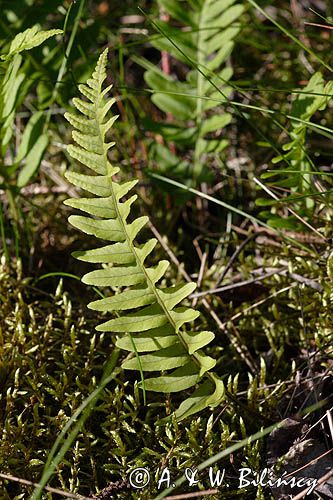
pixel 150 313
pixel 204 46
pixel 296 158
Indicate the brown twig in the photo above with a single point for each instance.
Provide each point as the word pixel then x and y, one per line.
pixel 66 494
pixel 313 461
pixel 322 480
pixel 320 376
pixel 259 303
pixel 319 25
pixel 238 284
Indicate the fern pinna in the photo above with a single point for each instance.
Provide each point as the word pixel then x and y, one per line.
pixel 149 321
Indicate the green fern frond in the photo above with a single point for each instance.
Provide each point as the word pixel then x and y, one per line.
pixel 203 44
pixel 315 96
pixel 150 313
pixel 296 157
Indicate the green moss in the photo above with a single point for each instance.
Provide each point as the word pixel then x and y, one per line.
pixel 51 360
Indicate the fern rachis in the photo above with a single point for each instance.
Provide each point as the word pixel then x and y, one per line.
pixel 150 314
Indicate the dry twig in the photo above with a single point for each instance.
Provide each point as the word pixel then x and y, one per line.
pixel 66 494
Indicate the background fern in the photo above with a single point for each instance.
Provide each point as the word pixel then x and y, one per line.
pixel 202 39
pixel 148 316
pixel 296 167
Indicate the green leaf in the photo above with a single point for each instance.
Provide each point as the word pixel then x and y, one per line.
pixel 176 10
pixel 32 132
pixel 179 106
pixel 228 16
pixel 179 44
pixel 202 38
pixel 264 202
pixel 313 97
pixel 197 340
pixel 175 294
pixel 99 185
pixel 119 253
pixel 33 160
pixel 289 223
pixel 101 207
pixel 206 362
pixel 165 359
pixel 153 340
pixel 88 158
pixel 28 39
pixel 214 123
pixel 214 8
pixel 222 55
pixel 115 276
pixel 196 402
pixel 183 315
pixel 130 299
pixel 170 132
pixel 221 38
pixel 205 395
pixel 150 317
pixel 110 229
pixel 181 379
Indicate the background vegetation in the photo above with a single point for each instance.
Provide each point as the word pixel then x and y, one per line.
pixel 226 122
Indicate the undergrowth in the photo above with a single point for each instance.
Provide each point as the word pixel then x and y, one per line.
pixel 51 361
pixel 232 150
